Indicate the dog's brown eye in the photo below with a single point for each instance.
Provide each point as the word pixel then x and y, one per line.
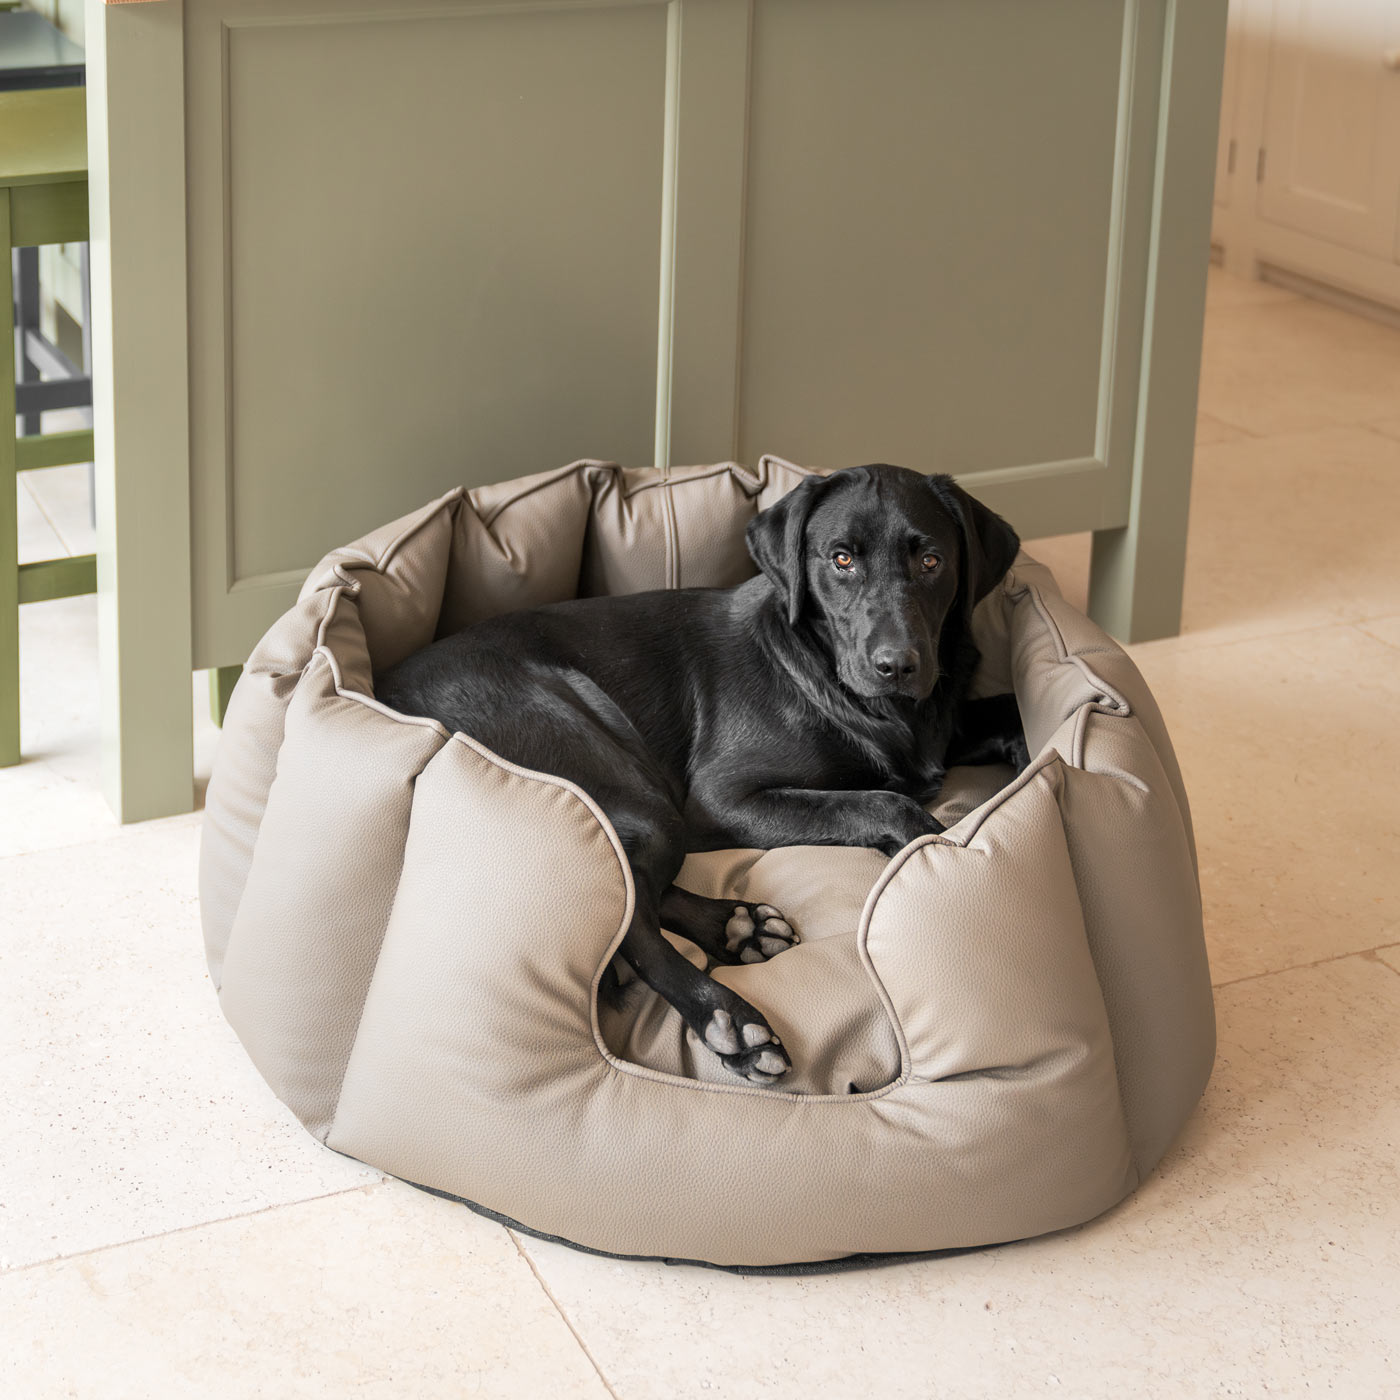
pixel 842 560
pixel 930 562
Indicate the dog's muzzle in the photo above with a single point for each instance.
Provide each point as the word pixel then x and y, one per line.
pixel 896 670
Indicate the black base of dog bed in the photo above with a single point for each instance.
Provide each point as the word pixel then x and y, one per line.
pixel 820 1266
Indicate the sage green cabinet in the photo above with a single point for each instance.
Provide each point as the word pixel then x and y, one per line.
pixel 464 241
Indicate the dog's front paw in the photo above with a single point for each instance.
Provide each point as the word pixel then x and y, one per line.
pixel 899 820
pixel 757 932
pixel 923 825
pixel 746 1045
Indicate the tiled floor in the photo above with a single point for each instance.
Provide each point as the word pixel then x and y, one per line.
pixel 167 1230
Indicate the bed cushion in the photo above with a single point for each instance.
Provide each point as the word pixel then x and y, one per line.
pixel 995 1034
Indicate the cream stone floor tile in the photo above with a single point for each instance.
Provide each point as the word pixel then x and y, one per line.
pixel 1292 531
pixel 41 808
pixel 1224 290
pixel 1261 1259
pixel 63 495
pixel 1210 429
pixel 380 1292
pixel 1286 532
pixel 53 797
pixel 1067 557
pixel 37 537
pixel 59 687
pixel 1289 749
pixel 1389 426
pixel 128 1106
pixel 1383 629
pixel 1293 365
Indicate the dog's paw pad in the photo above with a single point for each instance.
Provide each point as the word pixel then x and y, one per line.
pixel 757 932
pixel 755 1034
pixel 739 928
pixel 720 1034
pixel 764 1061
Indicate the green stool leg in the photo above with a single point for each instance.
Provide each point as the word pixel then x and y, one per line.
pixel 221 683
pixel 9 523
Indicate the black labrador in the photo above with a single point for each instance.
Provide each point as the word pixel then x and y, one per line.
pixel 817 704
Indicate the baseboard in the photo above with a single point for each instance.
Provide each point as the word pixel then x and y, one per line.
pixel 1326 292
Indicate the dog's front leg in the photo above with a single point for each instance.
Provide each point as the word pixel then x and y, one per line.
pixel 722 1020
pixel 887 821
pixel 989 731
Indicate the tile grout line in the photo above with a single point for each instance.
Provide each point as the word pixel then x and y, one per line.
pixel 1366 632
pixel 38 505
pixel 559 1308
pixel 1370 424
pixel 1368 953
pixel 48 519
pixel 1182 644
pixel 13 1270
pixel 1373 955
pixel 1331 425
pixel 115 833
pixel 1224 422
pixel 84 526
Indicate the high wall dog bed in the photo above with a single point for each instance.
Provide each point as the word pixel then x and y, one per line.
pixel 994 1034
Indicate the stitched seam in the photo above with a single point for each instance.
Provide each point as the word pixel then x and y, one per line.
pixel 673 552
pixel 326 654
pixel 1078 746
pixel 434 508
pixel 719 469
pixel 1131 1146
pixel 331 602
pixel 959 841
pixel 1065 656
pixel 443 503
pixel 578 468
pixel 1081 725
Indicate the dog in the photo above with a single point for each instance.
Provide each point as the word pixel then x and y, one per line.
pixel 819 703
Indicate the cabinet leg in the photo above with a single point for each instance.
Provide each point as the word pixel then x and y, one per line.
pixel 1135 584
pixel 1136 573
pixel 140 342
pixel 221 683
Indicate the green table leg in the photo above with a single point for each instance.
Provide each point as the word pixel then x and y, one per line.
pixel 9 523
pixel 221 683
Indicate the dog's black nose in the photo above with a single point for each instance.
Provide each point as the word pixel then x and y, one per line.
pixel 892 662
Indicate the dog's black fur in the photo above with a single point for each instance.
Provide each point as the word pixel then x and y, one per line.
pixel 817 704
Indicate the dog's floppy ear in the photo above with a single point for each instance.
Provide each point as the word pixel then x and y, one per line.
pixel 777 538
pixel 990 545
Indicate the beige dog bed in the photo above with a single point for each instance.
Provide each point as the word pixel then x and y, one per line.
pixel 994 1034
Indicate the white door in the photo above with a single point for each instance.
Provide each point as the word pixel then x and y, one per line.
pixel 1227 150
pixel 1332 127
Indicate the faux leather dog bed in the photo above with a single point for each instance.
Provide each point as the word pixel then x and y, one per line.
pixel 994 1034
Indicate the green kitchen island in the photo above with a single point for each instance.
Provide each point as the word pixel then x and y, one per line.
pixel 348 254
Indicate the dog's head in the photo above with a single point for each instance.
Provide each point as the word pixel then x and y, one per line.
pixel 878 559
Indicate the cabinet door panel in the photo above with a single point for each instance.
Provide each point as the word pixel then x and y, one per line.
pixel 423 252
pixel 1332 127
pixel 928 230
